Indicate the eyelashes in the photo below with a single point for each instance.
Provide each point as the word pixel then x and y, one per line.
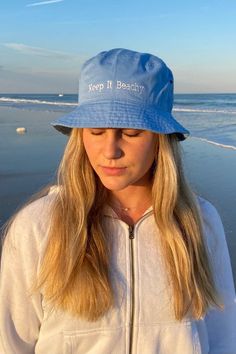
pixel 129 132
pixel 131 135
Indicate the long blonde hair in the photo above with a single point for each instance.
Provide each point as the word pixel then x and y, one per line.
pixel 74 273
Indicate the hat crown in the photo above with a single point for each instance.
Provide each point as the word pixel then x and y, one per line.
pixel 126 75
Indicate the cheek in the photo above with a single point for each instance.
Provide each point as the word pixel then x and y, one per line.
pixel 89 149
pixel 147 155
pixel 90 157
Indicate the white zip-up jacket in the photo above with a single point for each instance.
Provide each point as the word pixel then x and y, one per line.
pixel 142 321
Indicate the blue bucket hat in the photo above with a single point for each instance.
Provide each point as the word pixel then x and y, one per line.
pixel 121 88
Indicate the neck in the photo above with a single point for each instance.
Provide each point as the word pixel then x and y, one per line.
pixel 131 197
pixel 130 203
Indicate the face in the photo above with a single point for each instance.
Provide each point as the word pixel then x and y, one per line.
pixel 120 157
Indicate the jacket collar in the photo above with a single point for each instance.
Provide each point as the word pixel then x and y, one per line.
pixel 108 211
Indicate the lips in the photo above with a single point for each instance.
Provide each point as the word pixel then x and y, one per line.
pixel 113 171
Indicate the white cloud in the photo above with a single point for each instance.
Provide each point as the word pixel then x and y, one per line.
pixel 42 52
pixel 49 2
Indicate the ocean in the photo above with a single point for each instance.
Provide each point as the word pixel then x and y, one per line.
pixel 210 117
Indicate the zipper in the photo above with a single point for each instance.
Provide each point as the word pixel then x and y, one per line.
pixel 132 299
pixel 132 281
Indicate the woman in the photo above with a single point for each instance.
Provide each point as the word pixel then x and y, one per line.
pixel 120 256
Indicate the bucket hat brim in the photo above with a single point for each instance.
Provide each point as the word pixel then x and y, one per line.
pixel 117 114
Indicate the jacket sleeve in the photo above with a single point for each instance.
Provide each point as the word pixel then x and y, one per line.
pixel 20 309
pixel 221 324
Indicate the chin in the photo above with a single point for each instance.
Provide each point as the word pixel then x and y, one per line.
pixel 114 186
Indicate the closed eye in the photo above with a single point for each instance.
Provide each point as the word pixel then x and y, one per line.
pixel 126 132
pixel 131 133
pixel 97 132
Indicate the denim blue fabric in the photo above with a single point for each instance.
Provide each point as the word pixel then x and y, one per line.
pixel 122 88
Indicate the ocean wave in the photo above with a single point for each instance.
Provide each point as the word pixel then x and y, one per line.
pixel 36 102
pixel 42 102
pixel 191 110
pixel 225 146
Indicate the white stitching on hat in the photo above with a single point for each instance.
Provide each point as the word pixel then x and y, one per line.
pixel 119 85
pixel 130 87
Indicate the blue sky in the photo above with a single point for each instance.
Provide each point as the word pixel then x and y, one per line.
pixel 43 43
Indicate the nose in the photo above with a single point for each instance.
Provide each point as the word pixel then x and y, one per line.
pixel 111 146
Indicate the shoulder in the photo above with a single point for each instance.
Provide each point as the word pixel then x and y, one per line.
pixel 40 208
pixel 212 225
pixel 208 211
pixel 216 245
pixel 30 225
pixel 38 212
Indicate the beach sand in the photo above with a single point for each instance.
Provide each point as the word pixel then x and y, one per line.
pixel 29 161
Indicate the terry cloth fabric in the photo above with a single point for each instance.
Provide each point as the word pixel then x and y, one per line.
pixel 29 325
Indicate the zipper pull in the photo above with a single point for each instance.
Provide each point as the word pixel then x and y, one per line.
pixel 131 231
